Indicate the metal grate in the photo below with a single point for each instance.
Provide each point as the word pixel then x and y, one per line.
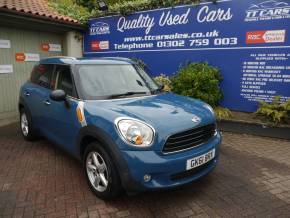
pixel 190 138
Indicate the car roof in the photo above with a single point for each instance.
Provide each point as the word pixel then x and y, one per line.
pixel 86 60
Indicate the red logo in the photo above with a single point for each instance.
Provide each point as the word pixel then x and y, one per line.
pixel 95 45
pixel 45 47
pixel 20 57
pixel 99 45
pixel 255 37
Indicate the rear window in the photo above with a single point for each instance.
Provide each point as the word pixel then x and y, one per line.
pixel 41 75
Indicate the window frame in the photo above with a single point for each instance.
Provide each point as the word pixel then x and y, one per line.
pixel 50 78
pixel 74 90
pixel 54 65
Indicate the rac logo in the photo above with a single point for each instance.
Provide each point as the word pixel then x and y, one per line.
pixel 99 45
pixel 265 36
pixel 99 28
pixel 268 10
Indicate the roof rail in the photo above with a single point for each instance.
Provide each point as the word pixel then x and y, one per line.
pixel 66 57
pixel 117 58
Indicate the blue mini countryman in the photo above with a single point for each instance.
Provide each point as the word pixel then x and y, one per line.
pixel 112 116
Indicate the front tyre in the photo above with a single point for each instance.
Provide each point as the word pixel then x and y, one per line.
pixel 28 133
pixel 101 173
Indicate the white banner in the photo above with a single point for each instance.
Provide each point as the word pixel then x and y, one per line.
pixel 55 47
pixel 32 57
pixel 20 57
pixel 51 47
pixel 5 43
pixel 6 69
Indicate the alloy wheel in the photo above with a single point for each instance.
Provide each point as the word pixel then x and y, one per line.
pixel 97 171
pixel 24 125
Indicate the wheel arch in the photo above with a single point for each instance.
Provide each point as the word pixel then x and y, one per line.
pixel 85 141
pixel 20 107
pixel 22 104
pixel 90 134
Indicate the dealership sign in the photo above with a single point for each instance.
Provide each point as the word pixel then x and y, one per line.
pixel 99 45
pixel 21 57
pixel 248 40
pixel 48 47
pixel 269 36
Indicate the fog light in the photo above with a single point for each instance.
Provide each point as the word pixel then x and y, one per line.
pixel 147 178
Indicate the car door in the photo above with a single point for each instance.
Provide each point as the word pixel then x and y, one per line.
pixel 61 116
pixel 36 92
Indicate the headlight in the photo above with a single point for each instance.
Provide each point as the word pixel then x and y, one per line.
pixel 135 132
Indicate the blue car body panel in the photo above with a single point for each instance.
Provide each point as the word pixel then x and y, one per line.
pixel 56 122
pixel 167 113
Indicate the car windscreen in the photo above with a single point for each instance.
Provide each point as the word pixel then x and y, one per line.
pixel 107 81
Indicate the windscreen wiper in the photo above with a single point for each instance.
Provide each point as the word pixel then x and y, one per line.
pixel 126 94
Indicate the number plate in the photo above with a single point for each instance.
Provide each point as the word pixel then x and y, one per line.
pixel 200 160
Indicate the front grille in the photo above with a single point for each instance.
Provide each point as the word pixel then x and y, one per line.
pixel 191 172
pixel 190 138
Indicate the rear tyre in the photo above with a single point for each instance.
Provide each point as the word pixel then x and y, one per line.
pixel 101 172
pixel 28 133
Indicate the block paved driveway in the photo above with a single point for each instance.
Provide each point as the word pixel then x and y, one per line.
pixel 252 180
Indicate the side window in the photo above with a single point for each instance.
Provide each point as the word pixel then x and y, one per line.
pixel 64 79
pixel 41 75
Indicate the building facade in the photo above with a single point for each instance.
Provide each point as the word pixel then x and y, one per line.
pixel 30 30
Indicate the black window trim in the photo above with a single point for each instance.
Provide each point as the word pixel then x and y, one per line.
pixel 73 81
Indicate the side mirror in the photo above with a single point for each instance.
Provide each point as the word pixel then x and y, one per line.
pixel 58 95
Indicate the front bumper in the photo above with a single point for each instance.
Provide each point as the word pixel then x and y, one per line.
pixel 168 171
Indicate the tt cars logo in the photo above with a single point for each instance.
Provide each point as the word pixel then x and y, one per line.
pixel 268 10
pixel 99 28
pixel 195 119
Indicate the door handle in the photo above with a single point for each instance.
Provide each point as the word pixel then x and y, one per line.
pixel 26 94
pixel 47 102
